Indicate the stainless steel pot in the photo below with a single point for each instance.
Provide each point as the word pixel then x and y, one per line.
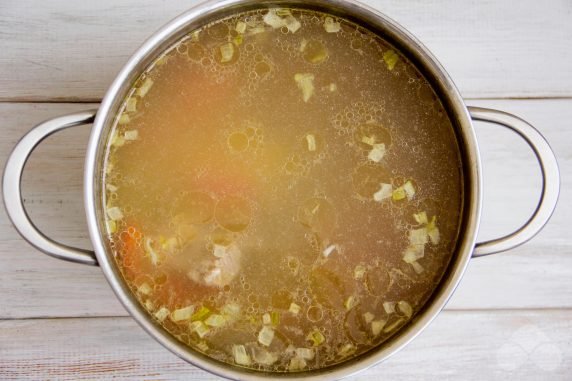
pixel 460 114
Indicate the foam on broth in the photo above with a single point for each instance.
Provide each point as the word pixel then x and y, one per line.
pixel 283 190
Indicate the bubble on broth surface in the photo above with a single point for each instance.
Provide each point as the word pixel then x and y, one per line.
pixel 218 31
pixel 195 208
pixel 366 179
pixel 314 51
pixel 377 281
pixel 238 141
pixel 319 215
pixel 196 51
pixel 314 313
pixel 233 213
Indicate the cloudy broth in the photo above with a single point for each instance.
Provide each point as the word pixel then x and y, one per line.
pixel 283 190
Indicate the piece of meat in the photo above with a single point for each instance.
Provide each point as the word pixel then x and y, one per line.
pixel 221 269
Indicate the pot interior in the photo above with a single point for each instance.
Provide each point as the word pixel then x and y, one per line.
pixel 468 207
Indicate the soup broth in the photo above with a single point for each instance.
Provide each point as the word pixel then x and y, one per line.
pixel 283 190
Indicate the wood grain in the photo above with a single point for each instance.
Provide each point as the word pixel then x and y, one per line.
pixel 511 317
pixel 490 345
pixel 537 275
pixel 62 50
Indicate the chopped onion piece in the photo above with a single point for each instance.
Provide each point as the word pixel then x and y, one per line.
pixel 409 189
pixel 109 168
pixel 203 346
pixel 114 213
pixel 150 251
pixel 333 87
pixel 305 353
pixel 347 350
pixel 275 318
pixel 170 245
pixel 240 355
pixel 149 305
pixel 145 289
pixel 202 313
pixel 331 26
pixel 292 24
pixel 377 153
pixel 392 326
pixel 433 231
pixel 316 337
pixel 311 140
pixel 434 235
pixel 215 320
pixel 290 349
pixel 200 328
pixel 421 218
pixel 385 191
pixel 303 44
pixel 162 313
pixel 262 356
pixel 329 250
pixel 256 30
pixel 238 40
pixel 390 58
pixel 117 140
pixel 131 105
pixel 145 87
pixel 272 19
pixel 377 326
pixel 369 140
pixel 283 12
pixel 266 319
pixel 184 313
pixel 417 267
pixel 389 307
pixel 214 276
pixel 231 311
pixel 266 335
pixel 240 27
pixel 368 317
pixel 294 308
pixel 418 236
pixel 226 52
pixel 405 308
pixel 124 119
pixel 131 135
pixel 399 194
pixel 359 272
pixel 296 363
pixel 305 82
pixel 351 302
pixel 219 251
pixel 111 187
pixel 316 208
pixel 413 253
pixel 111 226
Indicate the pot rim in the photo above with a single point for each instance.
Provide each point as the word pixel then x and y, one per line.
pixel 466 138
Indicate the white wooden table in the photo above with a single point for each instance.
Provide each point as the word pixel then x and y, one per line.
pixel 510 318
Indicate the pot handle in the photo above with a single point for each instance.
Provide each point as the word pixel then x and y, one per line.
pixel 12 188
pixel 550 181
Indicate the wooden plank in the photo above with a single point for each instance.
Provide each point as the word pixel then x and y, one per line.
pixel 537 275
pixel 35 285
pixel 491 345
pixel 511 190
pixel 61 50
